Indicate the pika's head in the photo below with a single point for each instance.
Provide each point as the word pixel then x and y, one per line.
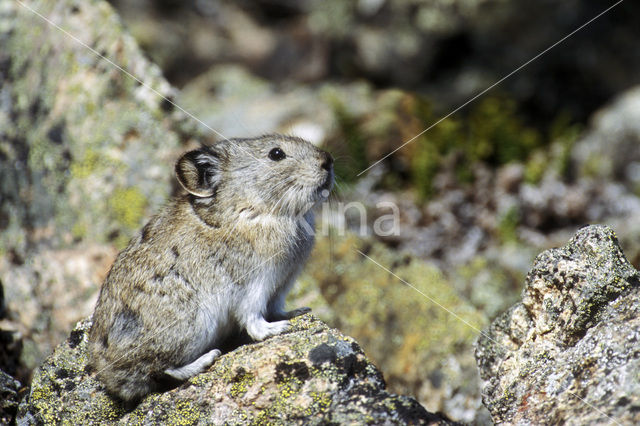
pixel 271 174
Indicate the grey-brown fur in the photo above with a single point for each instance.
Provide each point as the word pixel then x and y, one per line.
pixel 214 261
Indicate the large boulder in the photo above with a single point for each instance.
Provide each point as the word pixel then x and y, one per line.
pixel 85 149
pixel 86 155
pixel 568 352
pixel 310 375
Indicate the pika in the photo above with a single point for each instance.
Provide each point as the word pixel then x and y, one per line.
pixel 216 260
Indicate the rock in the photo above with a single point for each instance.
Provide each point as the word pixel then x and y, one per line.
pixel 86 151
pixel 611 148
pixel 310 375
pixel 86 154
pixel 568 352
pixel 452 49
pixel 47 296
pixel 9 402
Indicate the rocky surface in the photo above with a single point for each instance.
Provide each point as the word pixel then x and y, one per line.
pixel 568 353
pixel 74 130
pixel 451 49
pixel 310 375
pixel 86 155
pixel 46 295
pixel 9 398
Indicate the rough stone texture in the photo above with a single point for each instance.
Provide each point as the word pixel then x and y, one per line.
pixel 310 375
pixel 9 398
pixel 568 353
pixel 46 296
pixel 74 130
pixel 86 154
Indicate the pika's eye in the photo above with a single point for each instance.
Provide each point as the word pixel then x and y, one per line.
pixel 276 154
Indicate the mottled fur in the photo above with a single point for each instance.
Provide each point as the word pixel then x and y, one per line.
pixel 216 260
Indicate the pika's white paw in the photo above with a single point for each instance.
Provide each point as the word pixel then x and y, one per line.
pixel 209 357
pixel 261 329
pixel 196 367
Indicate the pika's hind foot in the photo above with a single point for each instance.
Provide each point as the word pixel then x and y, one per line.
pixel 196 367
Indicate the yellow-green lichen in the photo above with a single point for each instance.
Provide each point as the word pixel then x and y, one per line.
pixel 241 384
pixel 88 165
pixel 40 396
pixel 185 413
pixel 321 402
pixel 128 207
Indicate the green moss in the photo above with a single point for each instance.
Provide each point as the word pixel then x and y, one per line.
pixel 492 131
pixel 407 331
pixel 497 134
pixel 431 150
pixel 508 225
pixel 354 141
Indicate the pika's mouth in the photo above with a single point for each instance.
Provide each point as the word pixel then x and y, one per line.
pixel 325 188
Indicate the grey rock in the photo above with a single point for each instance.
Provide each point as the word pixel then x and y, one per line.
pixel 9 402
pixel 310 375
pixel 86 154
pixel 568 352
pixel 611 148
pixel 452 49
pixel 85 150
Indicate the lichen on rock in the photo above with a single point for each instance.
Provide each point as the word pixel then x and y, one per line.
pixel 72 125
pixel 568 353
pixel 310 375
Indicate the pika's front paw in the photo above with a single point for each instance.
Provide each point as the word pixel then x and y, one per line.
pixel 261 329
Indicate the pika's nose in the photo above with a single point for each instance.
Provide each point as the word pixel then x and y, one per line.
pixel 327 161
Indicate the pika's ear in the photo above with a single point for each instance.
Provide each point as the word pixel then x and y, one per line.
pixel 199 172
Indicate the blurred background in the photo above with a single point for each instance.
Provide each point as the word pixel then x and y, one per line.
pixel 86 154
